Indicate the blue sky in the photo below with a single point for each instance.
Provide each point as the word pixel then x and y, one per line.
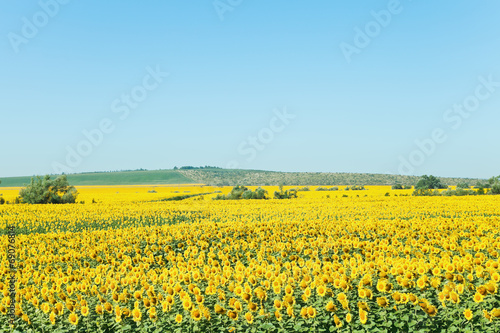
pixel 401 87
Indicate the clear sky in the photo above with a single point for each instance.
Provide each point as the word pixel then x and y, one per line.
pixel 402 87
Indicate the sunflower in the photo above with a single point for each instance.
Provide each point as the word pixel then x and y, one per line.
pixel 363 316
pixel 289 311
pixel 249 317
pixel 196 314
pixel 73 318
pixel 330 307
pixel 45 308
pixel 237 306
pixel 454 297
pixel 59 308
pixel 136 314
pixel 487 315
pixel 382 302
pixel 187 304
pixel 337 321
pixel 219 310
pixel 431 310
pixel 52 318
pixel 252 306
pixel 478 298
pixel 84 311
pixel 321 290
pixel 233 315
pixel 468 314
pixel 311 312
pixel 178 319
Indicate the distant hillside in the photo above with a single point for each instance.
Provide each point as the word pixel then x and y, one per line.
pixel 113 178
pixel 257 177
pixel 227 177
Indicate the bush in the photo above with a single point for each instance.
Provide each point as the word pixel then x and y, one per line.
pixel 285 194
pixel 2 201
pixel 425 192
pixel 397 187
pixel 354 188
pixel 47 191
pixel 321 189
pixel 241 192
pixel 458 192
pixel 335 188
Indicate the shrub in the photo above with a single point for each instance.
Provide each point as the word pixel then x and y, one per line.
pixel 47 191
pixel 425 192
pixel 285 194
pixel 321 189
pixel 241 192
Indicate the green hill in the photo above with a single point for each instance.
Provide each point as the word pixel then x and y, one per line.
pixel 257 177
pixel 113 178
pixel 227 177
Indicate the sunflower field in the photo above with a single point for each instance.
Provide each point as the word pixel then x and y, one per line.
pixel 377 260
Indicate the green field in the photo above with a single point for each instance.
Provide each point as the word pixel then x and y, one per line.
pixel 113 178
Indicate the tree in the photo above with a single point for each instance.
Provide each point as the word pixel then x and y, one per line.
pixel 45 191
pixel 463 185
pixel 495 184
pixel 429 183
